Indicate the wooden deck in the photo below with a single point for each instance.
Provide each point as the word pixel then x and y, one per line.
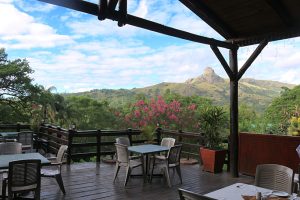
pixel 89 181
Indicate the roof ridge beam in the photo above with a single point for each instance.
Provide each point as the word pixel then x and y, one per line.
pixel 92 9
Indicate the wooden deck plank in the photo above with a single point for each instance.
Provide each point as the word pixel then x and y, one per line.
pixel 86 181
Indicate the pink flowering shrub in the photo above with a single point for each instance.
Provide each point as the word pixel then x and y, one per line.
pixel 157 112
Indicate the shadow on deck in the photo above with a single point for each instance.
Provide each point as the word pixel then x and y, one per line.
pixel 89 181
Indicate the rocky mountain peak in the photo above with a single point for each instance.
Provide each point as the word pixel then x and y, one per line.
pixel 208 76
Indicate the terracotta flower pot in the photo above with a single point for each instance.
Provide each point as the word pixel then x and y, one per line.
pixel 213 160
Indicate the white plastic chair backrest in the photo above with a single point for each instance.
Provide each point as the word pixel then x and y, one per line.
pixel 298 150
pixel 10 148
pixel 61 153
pixel 274 177
pixel 168 142
pixel 25 138
pixel 123 140
pixel 122 153
pixel 174 154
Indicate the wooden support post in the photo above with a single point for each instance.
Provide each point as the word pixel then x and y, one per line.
pixel 234 113
pixel 123 12
pixel 102 9
pixel 70 142
pixel 158 135
pixel 98 146
pixel 18 127
pixel 129 133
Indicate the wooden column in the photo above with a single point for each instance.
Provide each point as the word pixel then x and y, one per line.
pixel 70 142
pixel 98 146
pixel 129 134
pixel 233 63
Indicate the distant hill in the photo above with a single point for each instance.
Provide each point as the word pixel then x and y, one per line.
pixel 255 93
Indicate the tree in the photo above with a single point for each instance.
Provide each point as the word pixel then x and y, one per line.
pixel 16 85
pixel 87 113
pixel 282 109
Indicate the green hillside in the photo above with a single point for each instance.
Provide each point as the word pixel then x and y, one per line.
pixel 255 93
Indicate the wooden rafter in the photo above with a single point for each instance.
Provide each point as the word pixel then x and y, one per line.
pixel 92 9
pixel 222 61
pixel 251 59
pixel 207 15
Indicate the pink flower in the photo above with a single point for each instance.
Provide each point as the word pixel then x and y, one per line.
pixel 137 113
pixel 192 106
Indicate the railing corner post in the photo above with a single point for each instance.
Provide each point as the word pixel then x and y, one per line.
pixel 98 146
pixel 70 142
pixel 158 134
pixel 129 132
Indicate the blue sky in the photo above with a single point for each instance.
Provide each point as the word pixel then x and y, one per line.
pixel 75 52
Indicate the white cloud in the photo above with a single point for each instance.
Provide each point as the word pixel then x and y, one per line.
pixel 142 9
pixel 99 54
pixel 34 6
pixel 20 31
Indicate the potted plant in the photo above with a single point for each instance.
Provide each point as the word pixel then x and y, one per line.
pixel 212 154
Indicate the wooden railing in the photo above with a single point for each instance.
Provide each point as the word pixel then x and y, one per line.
pixel 14 127
pixel 96 143
pixel 84 143
pixel 191 142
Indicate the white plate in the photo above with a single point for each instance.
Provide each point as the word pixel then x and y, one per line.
pixel 280 194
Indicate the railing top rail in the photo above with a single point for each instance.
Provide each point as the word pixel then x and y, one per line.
pixel 14 126
pixel 180 133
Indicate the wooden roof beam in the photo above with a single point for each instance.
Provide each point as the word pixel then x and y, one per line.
pixel 206 14
pixel 246 41
pixel 281 11
pixel 251 59
pixel 90 8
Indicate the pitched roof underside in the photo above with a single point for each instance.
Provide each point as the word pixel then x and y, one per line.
pixel 247 22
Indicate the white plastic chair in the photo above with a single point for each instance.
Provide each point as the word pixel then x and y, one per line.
pixel 172 161
pixel 123 160
pixel 168 142
pixel 26 139
pixel 123 140
pixel 55 170
pixel 274 177
pixel 10 148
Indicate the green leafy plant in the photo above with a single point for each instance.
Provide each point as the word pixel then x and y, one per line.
pixel 212 121
pixel 294 128
pixel 148 132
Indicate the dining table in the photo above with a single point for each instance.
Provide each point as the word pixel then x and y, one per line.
pixel 145 150
pixel 9 134
pixel 6 159
pixel 242 191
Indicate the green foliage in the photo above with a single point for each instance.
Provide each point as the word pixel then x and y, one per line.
pixel 282 109
pixel 212 122
pixel 247 119
pixel 16 86
pixel 13 114
pixel 87 113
